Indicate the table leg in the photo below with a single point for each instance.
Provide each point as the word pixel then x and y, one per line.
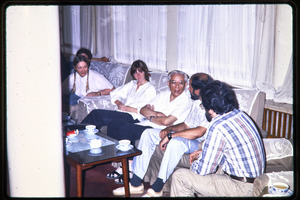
pixel 67 178
pixel 79 180
pixel 125 176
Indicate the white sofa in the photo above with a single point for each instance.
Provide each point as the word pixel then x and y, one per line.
pixel 251 101
pixel 118 74
pixel 279 166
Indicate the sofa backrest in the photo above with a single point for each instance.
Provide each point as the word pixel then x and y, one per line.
pixel 159 80
pixel 252 102
pixel 117 73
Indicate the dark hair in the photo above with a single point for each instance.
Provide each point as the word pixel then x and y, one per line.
pixel 141 67
pixel 80 58
pixel 85 51
pixel 219 97
pixel 200 80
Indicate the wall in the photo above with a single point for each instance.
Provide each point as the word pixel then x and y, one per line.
pixel 283 42
pixel 34 131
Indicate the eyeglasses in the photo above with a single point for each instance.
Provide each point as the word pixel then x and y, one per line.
pixel 174 83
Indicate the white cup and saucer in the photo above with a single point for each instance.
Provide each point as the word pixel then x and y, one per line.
pixel 90 129
pixel 124 145
pixel 96 146
pixel 279 189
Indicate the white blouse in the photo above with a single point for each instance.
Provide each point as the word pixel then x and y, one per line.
pixel 97 82
pixel 129 96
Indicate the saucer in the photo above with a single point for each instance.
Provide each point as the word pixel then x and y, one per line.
pixel 288 193
pixel 95 152
pixel 71 136
pixel 121 149
pixel 88 132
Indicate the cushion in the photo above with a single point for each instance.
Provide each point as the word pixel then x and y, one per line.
pixel 159 80
pixel 279 154
pixel 116 73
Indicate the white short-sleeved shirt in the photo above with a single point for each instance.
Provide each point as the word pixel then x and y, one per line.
pixel 197 116
pixel 179 108
pixel 97 82
pixel 128 95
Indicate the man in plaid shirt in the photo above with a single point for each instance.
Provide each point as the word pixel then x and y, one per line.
pixel 232 155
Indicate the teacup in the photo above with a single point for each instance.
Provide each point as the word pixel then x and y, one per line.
pixel 279 188
pixel 124 144
pixel 95 143
pixel 90 128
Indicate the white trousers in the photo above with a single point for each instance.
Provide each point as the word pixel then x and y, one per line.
pixel 174 151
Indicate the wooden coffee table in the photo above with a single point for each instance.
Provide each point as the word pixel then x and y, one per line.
pixel 84 160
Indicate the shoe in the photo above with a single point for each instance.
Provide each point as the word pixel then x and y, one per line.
pixel 114 175
pixel 152 193
pixel 120 180
pixel 133 190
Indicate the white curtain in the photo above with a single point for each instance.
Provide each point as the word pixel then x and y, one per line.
pixel 140 32
pixel 86 26
pixel 284 94
pixel 264 52
pixel 219 40
pixel 233 43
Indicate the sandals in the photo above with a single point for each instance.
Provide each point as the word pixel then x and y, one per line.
pixel 120 180
pixel 114 175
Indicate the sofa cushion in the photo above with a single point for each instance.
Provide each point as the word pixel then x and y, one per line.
pixel 116 73
pixel 159 80
pixel 279 154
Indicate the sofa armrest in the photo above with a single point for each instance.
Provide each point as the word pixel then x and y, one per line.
pixel 252 102
pixel 267 179
pixel 87 104
pixel 279 154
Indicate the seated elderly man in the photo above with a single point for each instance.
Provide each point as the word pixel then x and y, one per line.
pixel 232 155
pixel 169 107
pixel 187 136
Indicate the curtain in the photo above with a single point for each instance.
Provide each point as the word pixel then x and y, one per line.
pixel 233 43
pixel 70 29
pixel 284 94
pixel 264 50
pixel 103 34
pixel 86 26
pixel 218 40
pixel 140 32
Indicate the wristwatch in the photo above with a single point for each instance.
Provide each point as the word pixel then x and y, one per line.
pixel 169 136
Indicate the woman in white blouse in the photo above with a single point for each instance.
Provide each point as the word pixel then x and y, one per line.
pixel 129 98
pixel 84 82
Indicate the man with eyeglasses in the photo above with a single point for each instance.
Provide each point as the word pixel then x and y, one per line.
pixel 186 136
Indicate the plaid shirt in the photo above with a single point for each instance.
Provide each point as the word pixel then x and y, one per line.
pixel 234 143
